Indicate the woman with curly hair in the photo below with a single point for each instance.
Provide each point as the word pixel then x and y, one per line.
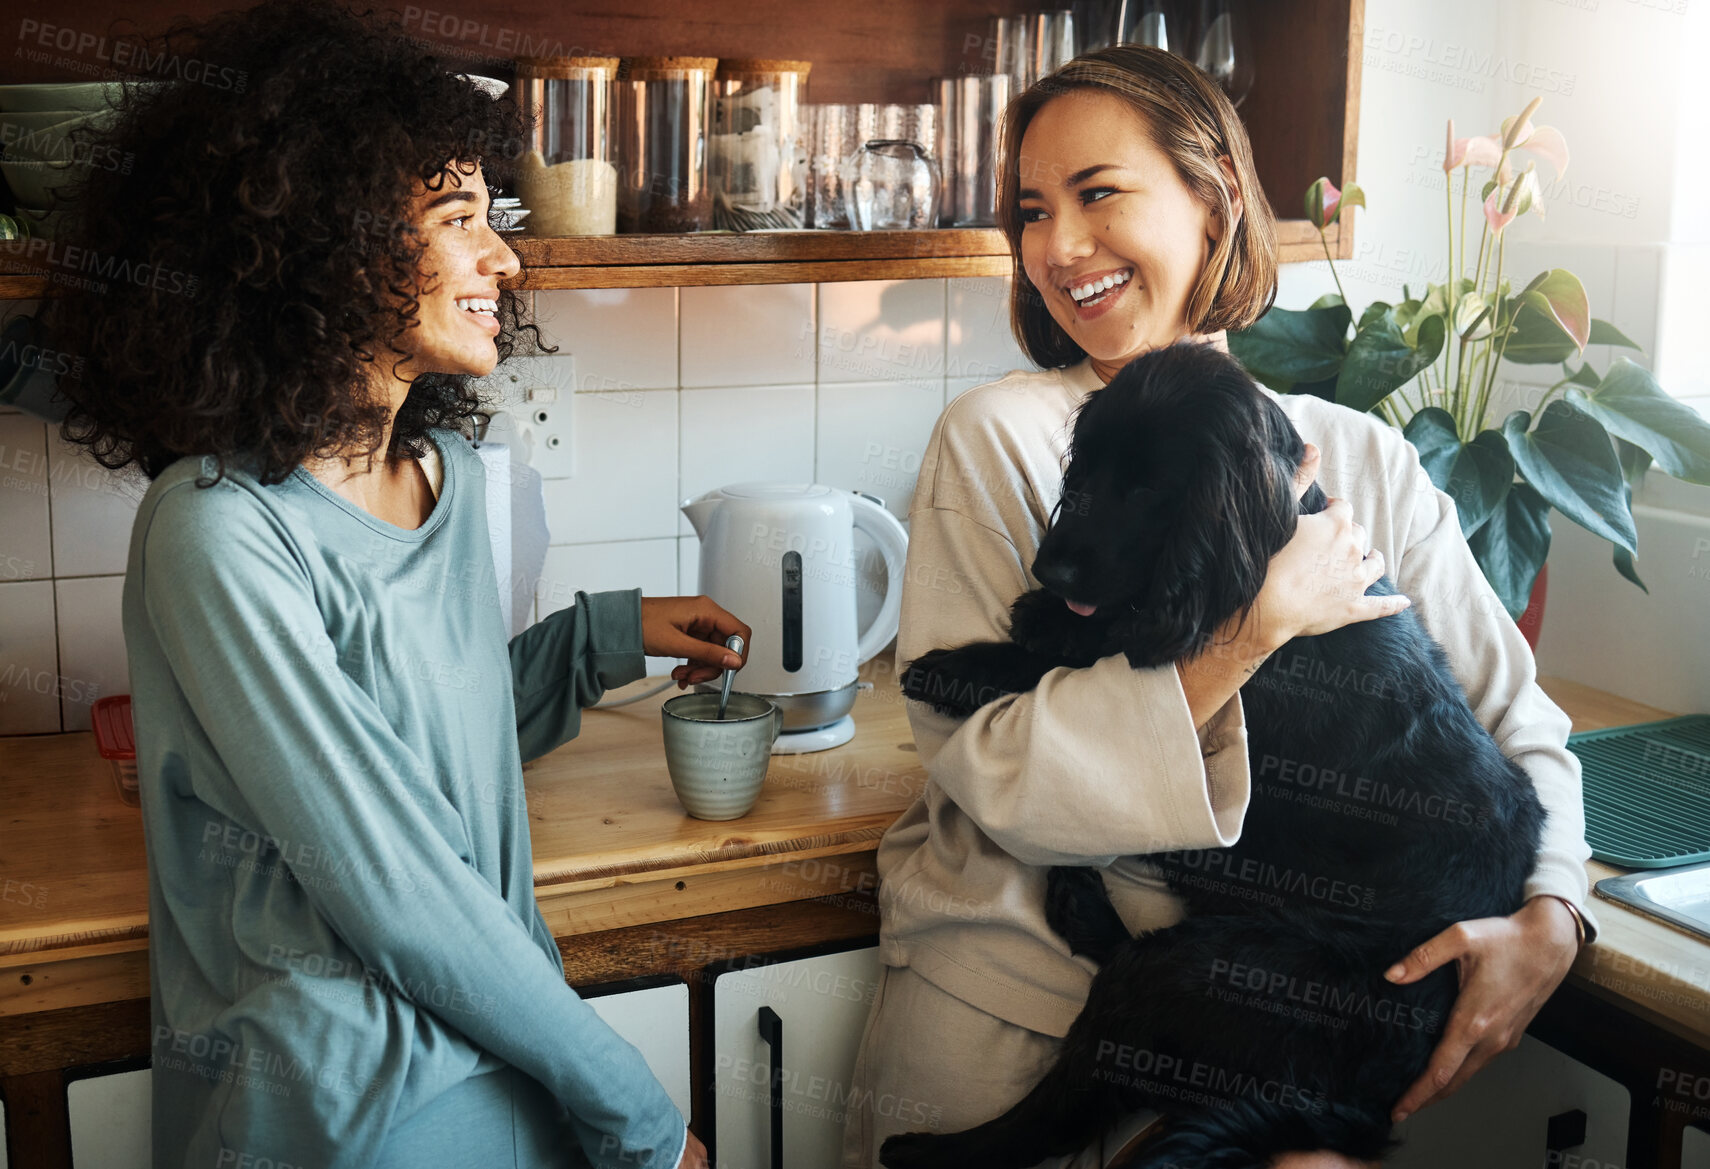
pixel 347 963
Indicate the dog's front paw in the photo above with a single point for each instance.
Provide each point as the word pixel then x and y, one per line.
pixel 910 1150
pixel 958 682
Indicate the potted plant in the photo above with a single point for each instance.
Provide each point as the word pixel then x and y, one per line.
pixel 1429 365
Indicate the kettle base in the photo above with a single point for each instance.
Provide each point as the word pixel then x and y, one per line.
pixel 819 739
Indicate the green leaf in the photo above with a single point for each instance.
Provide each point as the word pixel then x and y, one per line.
pixel 1328 300
pixel 1570 460
pixel 1634 460
pixel 1603 333
pixel 1634 463
pixel 1630 405
pixel 1624 564
pixel 1476 475
pixel 1377 312
pixel 1380 361
pixel 1536 339
pixel 1559 295
pixel 1512 545
pixel 1289 346
pixel 1432 433
pixel 1584 375
pixel 1480 480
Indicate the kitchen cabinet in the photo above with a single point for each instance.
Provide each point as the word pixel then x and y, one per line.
pixel 110 1120
pixel 109 1112
pixel 1302 114
pixel 1501 1119
pixel 634 890
pixel 785 1037
pixel 656 1020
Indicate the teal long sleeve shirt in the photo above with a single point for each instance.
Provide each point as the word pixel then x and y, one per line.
pixel 330 734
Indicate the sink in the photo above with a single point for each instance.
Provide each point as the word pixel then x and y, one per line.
pixel 1678 896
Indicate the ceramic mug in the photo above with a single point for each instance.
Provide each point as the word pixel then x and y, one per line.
pixel 718 766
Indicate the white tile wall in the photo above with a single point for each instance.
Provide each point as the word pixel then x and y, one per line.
pixel 736 435
pixel 623 338
pixel 678 391
pixel 29 659
pixel 872 436
pixel 1638 272
pixel 1602 631
pixel 882 330
pixel 26 543
pixel 752 335
pixel 92 660
pixel 625 487
pixel 93 510
pixel 980 346
pixel 649 565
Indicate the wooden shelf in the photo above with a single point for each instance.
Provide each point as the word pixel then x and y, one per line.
pixel 786 257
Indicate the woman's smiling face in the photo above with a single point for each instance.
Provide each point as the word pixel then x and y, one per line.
pixel 461 268
pixel 1111 236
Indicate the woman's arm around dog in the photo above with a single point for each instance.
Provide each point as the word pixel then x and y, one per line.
pixel 1094 763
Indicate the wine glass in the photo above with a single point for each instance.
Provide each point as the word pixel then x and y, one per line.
pixel 1223 50
pixel 1150 22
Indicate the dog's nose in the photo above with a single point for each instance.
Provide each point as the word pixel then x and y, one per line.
pixel 1059 576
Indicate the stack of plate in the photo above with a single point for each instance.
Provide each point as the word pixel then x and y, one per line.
pixel 37 153
pixel 508 214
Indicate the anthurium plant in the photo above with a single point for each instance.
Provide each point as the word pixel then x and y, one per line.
pixel 1429 364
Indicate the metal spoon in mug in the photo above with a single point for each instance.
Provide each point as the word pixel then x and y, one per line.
pixel 734 644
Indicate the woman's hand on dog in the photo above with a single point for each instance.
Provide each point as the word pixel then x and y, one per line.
pixel 1508 967
pixel 1318 581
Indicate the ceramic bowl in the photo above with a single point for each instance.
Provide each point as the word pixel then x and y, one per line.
pixel 45 143
pixel 718 767
pixel 32 183
pixel 13 125
pixel 76 95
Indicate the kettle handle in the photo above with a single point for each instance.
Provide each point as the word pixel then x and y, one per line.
pixel 892 538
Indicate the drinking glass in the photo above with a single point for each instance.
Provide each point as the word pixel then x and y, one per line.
pixel 1051 41
pixel 890 184
pixel 1223 51
pixel 968 196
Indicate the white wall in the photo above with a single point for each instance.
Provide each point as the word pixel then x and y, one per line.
pixel 678 391
pixel 1625 82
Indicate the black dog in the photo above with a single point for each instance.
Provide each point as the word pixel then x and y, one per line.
pixel 1382 812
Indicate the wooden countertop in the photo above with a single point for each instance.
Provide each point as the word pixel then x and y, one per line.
pixel 613 848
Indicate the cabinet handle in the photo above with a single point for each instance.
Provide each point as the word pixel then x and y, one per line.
pixel 1566 1130
pixel 772 1031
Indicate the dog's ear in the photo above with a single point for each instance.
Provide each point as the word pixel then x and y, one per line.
pixel 1236 512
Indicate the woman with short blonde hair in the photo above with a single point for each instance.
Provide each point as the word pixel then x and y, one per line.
pixel 1128 196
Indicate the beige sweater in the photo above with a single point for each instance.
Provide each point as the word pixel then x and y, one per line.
pixel 1102 763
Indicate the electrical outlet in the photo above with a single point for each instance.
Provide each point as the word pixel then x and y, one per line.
pixel 539 394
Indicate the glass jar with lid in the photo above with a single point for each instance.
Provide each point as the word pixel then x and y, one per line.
pixel 664 120
pixel 568 177
pixel 759 145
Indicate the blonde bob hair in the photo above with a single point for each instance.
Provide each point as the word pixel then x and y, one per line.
pixel 1192 122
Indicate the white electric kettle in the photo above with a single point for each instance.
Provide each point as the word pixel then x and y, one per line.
pixel 782 557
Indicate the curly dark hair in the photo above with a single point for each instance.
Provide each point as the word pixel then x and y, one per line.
pixel 260 248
